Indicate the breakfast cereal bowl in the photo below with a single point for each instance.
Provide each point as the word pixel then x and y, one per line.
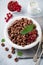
pixel 27 39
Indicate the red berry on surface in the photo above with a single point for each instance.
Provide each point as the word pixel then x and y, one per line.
pixel 16 3
pixel 5 18
pixel 14 6
pixel 11 5
pixel 9 15
pixel 18 8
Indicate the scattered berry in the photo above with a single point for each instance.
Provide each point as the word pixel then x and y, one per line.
pixel 9 16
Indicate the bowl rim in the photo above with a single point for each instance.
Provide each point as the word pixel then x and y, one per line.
pixel 27 46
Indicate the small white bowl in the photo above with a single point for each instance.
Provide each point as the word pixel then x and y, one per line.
pixel 27 46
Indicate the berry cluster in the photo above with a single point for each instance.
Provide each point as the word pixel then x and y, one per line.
pixel 14 6
pixel 9 16
pixel 32 36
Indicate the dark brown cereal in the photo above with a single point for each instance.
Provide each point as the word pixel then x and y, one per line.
pixel 2 44
pixel 12 48
pixel 13 51
pixel 16 59
pixel 19 39
pixel 9 56
pixel 22 44
pixel 6 49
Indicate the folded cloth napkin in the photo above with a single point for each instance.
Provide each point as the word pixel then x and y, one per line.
pixel 28 54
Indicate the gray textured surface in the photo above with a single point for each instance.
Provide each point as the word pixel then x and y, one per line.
pixel 3 55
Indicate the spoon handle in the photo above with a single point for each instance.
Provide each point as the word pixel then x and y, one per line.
pixel 36 55
pixel 38 61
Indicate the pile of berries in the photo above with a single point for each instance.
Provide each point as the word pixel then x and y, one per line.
pixel 32 36
pixel 14 6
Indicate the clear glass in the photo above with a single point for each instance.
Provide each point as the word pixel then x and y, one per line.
pixel 35 9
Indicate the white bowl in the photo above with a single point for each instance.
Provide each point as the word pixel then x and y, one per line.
pixel 27 46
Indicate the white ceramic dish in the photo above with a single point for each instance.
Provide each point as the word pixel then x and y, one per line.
pixel 27 46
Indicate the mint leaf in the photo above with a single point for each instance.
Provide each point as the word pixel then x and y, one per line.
pixel 3 40
pixel 19 53
pixel 27 29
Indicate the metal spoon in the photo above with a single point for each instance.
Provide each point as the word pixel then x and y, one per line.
pixel 36 55
pixel 38 61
